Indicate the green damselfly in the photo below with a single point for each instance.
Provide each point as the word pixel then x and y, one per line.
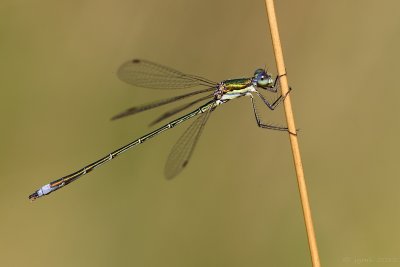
pixel 147 74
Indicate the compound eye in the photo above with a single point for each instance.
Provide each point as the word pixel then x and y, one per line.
pixel 262 82
pixel 258 71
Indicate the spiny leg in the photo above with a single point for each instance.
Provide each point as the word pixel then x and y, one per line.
pixel 276 102
pixel 268 126
pixel 262 125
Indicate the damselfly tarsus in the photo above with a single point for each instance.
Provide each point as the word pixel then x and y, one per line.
pixel 146 74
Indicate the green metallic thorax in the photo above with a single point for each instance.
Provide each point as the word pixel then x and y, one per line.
pixel 236 84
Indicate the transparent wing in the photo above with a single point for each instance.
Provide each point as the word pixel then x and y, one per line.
pixel 179 109
pixel 183 149
pixel 147 74
pixel 134 110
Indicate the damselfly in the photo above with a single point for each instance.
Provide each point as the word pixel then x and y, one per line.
pixel 146 74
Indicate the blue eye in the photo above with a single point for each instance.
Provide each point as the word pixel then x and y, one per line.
pixel 262 81
pixel 265 81
pixel 258 72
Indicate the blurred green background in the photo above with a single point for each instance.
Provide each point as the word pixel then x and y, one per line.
pixel 237 203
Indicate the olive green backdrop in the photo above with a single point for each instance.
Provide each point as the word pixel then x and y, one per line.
pixel 237 203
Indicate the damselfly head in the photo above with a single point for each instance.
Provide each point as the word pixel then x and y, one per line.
pixel 262 79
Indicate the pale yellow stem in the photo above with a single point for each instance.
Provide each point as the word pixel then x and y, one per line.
pixel 292 135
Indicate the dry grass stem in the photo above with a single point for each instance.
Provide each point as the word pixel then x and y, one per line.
pixel 293 137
